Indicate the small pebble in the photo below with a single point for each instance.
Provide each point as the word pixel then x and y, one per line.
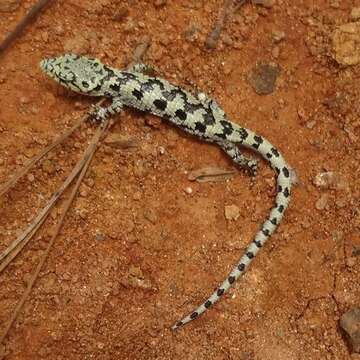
pixel 232 212
pixel 99 236
pixel 329 179
pixel 188 190
pixel 350 323
pixel 263 77
pixel 31 177
pixel 322 202
pixel 355 13
pixel 277 36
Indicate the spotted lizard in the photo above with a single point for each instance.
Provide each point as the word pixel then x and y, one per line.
pixel 197 114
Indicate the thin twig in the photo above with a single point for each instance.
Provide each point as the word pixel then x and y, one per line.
pixel 88 155
pixel 12 254
pixel 24 237
pixel 12 181
pixel 228 9
pixel 21 25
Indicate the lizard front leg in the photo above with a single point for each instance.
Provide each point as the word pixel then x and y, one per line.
pixel 99 113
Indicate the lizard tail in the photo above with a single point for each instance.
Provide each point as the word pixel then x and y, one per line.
pixel 277 162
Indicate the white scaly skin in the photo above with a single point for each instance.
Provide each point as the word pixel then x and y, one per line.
pixel 198 115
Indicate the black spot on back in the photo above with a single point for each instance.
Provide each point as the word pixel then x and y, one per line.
pixel 231 279
pixel 138 94
pixel 115 87
pixel 199 126
pixel 181 114
pixel 220 292
pixel 160 104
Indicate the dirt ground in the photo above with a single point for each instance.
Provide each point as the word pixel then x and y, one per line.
pixel 138 250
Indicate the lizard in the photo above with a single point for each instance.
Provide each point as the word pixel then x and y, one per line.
pixel 196 114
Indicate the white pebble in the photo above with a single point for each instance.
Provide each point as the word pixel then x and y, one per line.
pixel 188 190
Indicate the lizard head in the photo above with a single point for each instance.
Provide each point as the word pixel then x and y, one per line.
pixel 78 73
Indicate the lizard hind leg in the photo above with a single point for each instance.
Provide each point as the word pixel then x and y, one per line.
pixel 249 164
pixel 141 68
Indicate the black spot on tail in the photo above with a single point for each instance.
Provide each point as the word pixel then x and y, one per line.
pixel 250 255
pixel 286 172
pixel 275 152
pixel 208 304
pixel 194 315
pixel 286 192
pixel 258 243
pixel 231 279
pixel 220 292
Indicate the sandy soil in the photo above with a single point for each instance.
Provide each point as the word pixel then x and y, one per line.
pixel 138 251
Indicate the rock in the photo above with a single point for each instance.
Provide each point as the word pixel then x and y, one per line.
pixel 121 141
pixel 232 212
pixel 322 202
pixel 346 44
pixel 188 190
pixel 121 13
pixel 9 5
pixel 329 179
pixel 136 279
pixel 48 166
pixel 31 177
pixel 263 77
pixel 100 236
pixel 355 13
pixel 350 323
pixel 277 36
